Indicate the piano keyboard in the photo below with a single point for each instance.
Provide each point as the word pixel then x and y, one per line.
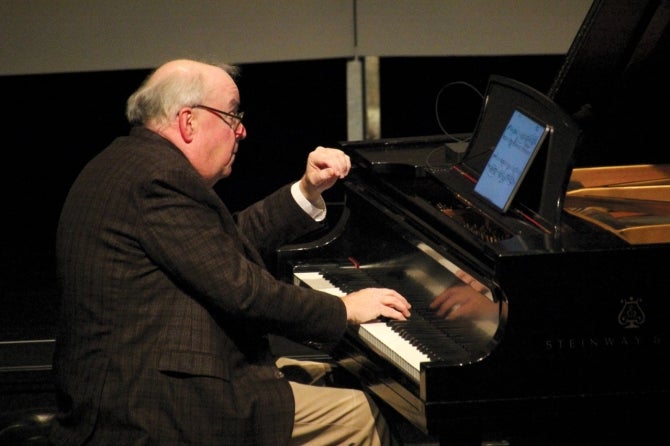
pixel 393 347
pixel 379 335
pixel 316 281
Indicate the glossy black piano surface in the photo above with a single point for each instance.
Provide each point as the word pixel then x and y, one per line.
pixel 578 334
pixel 571 334
pixel 575 349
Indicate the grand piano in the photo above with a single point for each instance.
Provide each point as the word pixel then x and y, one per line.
pixel 538 285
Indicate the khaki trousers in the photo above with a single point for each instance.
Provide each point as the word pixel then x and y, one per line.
pixel 335 416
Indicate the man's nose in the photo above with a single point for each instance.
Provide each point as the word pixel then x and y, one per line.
pixel 241 132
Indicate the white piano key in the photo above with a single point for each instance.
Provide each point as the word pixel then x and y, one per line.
pixel 394 347
pixel 378 335
pixel 316 281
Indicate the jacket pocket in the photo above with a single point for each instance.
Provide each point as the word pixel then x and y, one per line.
pixel 193 363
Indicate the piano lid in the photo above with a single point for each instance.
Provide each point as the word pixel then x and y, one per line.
pixel 615 70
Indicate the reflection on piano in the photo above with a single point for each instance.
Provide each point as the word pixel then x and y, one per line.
pixel 435 332
pixel 530 325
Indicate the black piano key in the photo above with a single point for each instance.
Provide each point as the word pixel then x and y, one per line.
pixel 438 338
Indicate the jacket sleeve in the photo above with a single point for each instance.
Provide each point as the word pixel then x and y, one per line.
pixel 275 221
pixel 188 231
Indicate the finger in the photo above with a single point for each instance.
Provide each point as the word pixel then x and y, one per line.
pixel 396 297
pixel 399 305
pixel 339 166
pixel 392 313
pixel 335 159
pixel 329 170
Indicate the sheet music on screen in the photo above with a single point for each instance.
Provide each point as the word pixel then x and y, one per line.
pixel 510 160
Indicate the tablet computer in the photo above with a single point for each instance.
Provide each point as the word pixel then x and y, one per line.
pixel 511 158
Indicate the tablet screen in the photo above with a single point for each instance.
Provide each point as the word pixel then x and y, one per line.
pixel 510 160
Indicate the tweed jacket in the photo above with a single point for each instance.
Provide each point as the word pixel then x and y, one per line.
pixel 166 306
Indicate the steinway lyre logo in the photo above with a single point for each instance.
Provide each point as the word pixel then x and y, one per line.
pixel 631 314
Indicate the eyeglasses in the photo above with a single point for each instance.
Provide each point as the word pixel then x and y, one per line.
pixel 236 117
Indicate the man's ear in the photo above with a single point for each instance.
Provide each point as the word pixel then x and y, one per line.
pixel 186 121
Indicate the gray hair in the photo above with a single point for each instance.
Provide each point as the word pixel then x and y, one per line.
pixel 157 101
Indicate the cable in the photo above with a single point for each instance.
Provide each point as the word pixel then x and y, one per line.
pixel 437 101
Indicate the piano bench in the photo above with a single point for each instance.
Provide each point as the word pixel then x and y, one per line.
pixel 26 427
